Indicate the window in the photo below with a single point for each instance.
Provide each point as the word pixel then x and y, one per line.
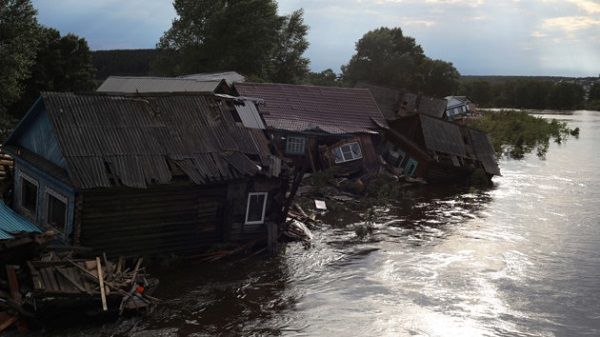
pixel 255 209
pixel 396 157
pixel 411 167
pixel 347 152
pixel 295 145
pixel 56 210
pixel 29 189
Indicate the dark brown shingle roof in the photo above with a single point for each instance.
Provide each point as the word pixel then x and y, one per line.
pixel 442 136
pixel 302 108
pixel 136 141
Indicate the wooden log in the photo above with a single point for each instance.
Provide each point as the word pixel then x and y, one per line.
pixel 13 284
pixel 72 281
pixel 101 282
pixel 7 322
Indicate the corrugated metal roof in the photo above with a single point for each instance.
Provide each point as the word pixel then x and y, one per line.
pixel 300 107
pixel 12 223
pixel 229 76
pixel 387 99
pixel 484 151
pixel 432 106
pixel 134 141
pixel 442 136
pixel 121 84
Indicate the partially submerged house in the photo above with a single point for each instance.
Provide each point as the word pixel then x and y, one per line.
pixel 320 127
pixel 145 85
pixel 458 107
pixel 130 174
pixel 437 150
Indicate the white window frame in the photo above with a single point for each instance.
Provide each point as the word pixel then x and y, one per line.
pixel 294 143
pixel 60 198
pixel 33 181
pixel 344 159
pixel 264 208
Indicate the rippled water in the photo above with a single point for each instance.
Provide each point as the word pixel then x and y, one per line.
pixel 521 259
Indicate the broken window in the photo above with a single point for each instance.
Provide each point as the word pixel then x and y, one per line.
pixel 411 167
pixel 347 152
pixel 255 208
pixel 29 189
pixel 56 210
pixel 295 145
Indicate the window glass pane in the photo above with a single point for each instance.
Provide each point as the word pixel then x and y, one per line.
pixel 57 212
pixel 355 151
pixel 295 145
pixel 28 195
pixel 255 208
pixel 338 155
pixel 347 152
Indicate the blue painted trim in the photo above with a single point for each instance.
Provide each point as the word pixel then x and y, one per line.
pixel 30 116
pixel 44 182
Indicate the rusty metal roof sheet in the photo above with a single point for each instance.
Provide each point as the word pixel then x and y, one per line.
pixel 442 136
pixel 123 84
pixel 112 140
pixel 302 108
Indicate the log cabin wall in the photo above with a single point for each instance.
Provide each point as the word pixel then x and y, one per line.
pixel 162 219
pixel 237 199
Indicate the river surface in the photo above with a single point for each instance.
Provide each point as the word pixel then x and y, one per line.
pixel 519 259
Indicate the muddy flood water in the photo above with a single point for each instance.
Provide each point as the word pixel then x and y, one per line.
pixel 519 259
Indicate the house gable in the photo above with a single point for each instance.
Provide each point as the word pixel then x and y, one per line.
pixel 36 134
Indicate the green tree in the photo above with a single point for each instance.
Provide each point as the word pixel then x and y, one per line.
pixel 242 35
pixel 386 57
pixel 326 78
pixel 18 44
pixel 288 65
pixel 594 94
pixel 440 78
pixel 61 64
pixel 481 92
pixel 566 96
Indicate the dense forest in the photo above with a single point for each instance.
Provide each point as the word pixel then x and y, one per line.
pixel 123 62
pixel 210 36
pixel 531 92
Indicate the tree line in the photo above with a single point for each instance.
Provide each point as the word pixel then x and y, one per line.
pixel 531 94
pixel 247 36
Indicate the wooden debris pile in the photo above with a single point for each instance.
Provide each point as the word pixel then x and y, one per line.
pixel 55 282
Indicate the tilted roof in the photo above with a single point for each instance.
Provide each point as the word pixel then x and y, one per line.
pixel 442 136
pixel 137 141
pixel 484 151
pixel 301 108
pixel 12 223
pixel 129 84
pixel 229 76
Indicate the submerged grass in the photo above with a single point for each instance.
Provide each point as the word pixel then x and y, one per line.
pixel 516 133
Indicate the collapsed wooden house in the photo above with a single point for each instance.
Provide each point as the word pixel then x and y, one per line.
pixel 396 103
pixel 131 174
pixel 437 150
pixel 321 127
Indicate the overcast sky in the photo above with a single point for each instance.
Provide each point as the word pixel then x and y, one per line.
pixel 481 37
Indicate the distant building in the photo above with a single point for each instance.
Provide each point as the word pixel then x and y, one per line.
pixel 229 76
pixel 146 85
pixel 458 107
